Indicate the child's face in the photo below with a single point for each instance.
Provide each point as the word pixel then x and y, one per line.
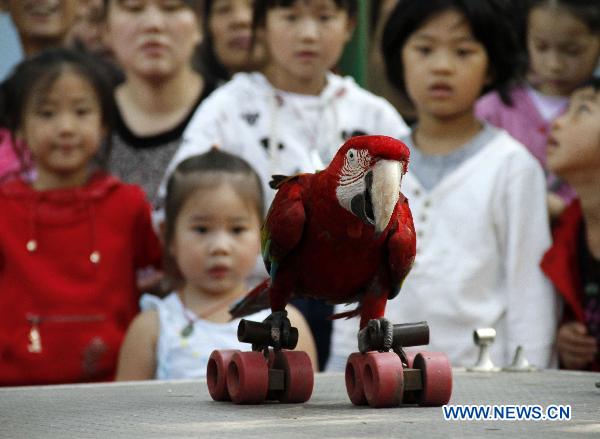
pixel 563 52
pixel 152 38
pixel 305 40
pixel 43 19
pixel 230 25
pixel 63 127
pixel 217 240
pixel 445 67
pixel 574 143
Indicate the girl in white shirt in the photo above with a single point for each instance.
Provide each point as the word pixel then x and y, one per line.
pixel 211 239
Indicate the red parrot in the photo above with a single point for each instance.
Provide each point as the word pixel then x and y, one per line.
pixel 344 234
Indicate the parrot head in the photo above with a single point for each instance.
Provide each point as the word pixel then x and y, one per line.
pixel 369 172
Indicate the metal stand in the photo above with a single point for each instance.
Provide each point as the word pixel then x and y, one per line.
pixel 484 337
pixel 520 363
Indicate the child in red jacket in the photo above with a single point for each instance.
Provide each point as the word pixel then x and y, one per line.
pixel 573 262
pixel 72 240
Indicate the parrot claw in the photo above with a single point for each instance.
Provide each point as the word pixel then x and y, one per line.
pixel 282 334
pixel 402 354
pixel 363 342
pixel 388 334
pixel 378 335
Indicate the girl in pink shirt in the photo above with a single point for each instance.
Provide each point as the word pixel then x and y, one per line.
pixel 564 48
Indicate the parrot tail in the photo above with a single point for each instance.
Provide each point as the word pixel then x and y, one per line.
pixel 347 314
pixel 255 301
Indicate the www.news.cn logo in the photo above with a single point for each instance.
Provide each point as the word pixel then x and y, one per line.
pixel 508 412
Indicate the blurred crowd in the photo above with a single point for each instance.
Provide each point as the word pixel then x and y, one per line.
pixel 138 139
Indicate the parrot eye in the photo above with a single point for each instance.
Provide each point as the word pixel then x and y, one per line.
pixel 351 157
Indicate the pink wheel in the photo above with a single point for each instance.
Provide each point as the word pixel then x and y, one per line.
pixel 216 374
pixel 299 376
pixel 436 376
pixel 383 379
pixel 354 378
pixel 248 378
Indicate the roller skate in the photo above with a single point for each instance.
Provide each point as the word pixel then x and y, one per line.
pixel 382 374
pixel 270 372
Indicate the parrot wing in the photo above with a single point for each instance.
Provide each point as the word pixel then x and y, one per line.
pixel 284 225
pixel 280 233
pixel 402 246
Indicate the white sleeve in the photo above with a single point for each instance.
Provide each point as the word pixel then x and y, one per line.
pixel 525 233
pixel 204 130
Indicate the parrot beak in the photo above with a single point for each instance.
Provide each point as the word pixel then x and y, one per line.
pixel 384 192
pixel 381 192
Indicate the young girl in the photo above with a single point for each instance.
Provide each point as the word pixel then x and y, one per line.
pixel 563 40
pixel 35 35
pixel 477 196
pixel 573 262
pixel 154 41
pixel 212 238
pixel 71 241
pixel 294 114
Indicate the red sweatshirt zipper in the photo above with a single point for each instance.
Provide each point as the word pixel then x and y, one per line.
pixel 35 339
